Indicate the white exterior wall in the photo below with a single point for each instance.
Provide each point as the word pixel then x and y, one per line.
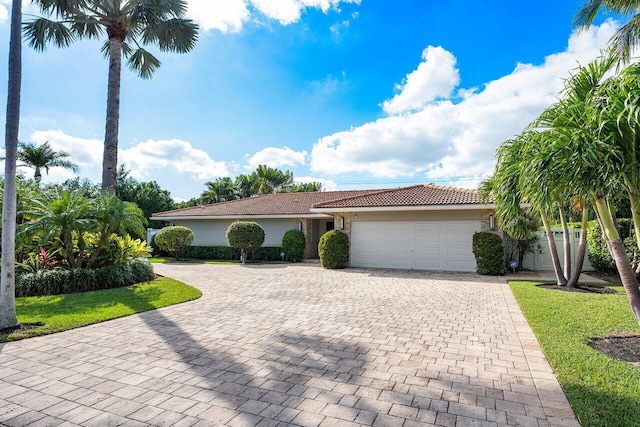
pixel 212 232
pixel 541 260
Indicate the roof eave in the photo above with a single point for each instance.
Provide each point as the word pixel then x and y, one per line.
pixel 457 207
pixel 314 215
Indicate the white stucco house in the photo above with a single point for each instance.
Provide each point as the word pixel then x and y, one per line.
pixel 422 227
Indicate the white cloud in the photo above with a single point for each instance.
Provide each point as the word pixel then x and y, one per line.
pixel 143 159
pixel 229 16
pixel 443 139
pixel 277 157
pixel 435 77
pixel 175 154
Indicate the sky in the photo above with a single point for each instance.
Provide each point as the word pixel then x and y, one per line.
pixel 350 93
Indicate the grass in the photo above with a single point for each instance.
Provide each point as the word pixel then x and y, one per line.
pixel 601 390
pixel 62 312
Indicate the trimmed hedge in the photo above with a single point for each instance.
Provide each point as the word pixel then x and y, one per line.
pixel 334 250
pixel 263 253
pixel 489 253
pixel 174 238
pixel 599 254
pixel 55 282
pixel 293 244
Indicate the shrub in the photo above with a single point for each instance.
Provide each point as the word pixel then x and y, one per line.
pixel 334 249
pixel 173 239
pixel 55 282
pixel 263 253
pixel 599 254
pixel 487 248
pixel 293 244
pixel 156 250
pixel 245 235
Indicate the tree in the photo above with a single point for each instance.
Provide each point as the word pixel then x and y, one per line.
pixel 8 316
pixel 129 25
pixel 306 187
pixel 64 217
pixel 148 196
pixel 220 190
pixel 174 239
pixel 245 235
pixel 271 180
pixel 43 157
pixel 627 37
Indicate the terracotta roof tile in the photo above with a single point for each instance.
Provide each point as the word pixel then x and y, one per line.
pixel 267 204
pixel 418 195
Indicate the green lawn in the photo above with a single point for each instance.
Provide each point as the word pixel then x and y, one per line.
pixel 601 390
pixel 62 312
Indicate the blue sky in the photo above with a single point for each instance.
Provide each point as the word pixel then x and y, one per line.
pixel 352 93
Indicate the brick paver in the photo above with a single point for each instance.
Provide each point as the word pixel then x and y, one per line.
pixel 278 345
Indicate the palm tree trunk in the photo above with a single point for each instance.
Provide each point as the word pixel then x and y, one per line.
pixel 110 155
pixel 634 198
pixel 566 239
pixel 625 270
pixel 582 250
pixel 8 316
pixel 561 280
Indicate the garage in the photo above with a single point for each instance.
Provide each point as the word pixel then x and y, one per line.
pixel 420 245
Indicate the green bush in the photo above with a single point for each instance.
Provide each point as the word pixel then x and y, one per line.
pixel 245 235
pixel 173 239
pixel 334 249
pixel 487 248
pixel 599 254
pixel 55 282
pixel 156 250
pixel 263 253
pixel 293 244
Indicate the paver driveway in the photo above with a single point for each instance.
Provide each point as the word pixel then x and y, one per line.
pixel 296 344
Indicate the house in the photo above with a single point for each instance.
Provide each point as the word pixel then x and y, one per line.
pixel 422 227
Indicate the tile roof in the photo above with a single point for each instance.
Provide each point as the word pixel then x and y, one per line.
pixel 301 203
pixel 267 204
pixel 418 195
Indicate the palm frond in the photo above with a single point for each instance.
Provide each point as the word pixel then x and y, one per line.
pixel 143 62
pixel 42 31
pixel 626 39
pixel 174 35
pixel 586 14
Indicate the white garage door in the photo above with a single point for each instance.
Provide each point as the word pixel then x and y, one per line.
pixel 419 245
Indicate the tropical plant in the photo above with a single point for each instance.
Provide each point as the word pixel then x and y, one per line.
pixel 293 244
pixel 220 190
pixel 333 249
pixel 173 239
pixel 149 196
pixel 245 235
pixel 43 157
pixel 129 25
pixel 628 36
pixel 270 180
pixel 62 218
pixel 8 317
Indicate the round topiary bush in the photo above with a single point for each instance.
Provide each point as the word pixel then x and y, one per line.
pixel 293 244
pixel 487 248
pixel 245 235
pixel 173 239
pixel 334 249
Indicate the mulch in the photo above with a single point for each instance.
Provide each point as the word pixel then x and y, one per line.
pixel 625 348
pixel 20 328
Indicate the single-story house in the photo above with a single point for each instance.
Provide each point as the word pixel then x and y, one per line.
pixel 422 227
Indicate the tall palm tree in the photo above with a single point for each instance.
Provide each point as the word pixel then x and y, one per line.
pixel 220 190
pixel 628 36
pixel 272 180
pixel 43 157
pixel 8 316
pixel 129 25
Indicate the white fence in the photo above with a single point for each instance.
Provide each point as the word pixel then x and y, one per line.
pixel 541 260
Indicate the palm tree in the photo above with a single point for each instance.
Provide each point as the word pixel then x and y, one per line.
pixel 220 190
pixel 129 26
pixel 627 37
pixel 8 316
pixel 43 157
pixel 61 216
pixel 272 180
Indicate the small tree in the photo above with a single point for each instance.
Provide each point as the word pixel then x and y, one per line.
pixel 334 249
pixel 293 243
pixel 245 235
pixel 173 239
